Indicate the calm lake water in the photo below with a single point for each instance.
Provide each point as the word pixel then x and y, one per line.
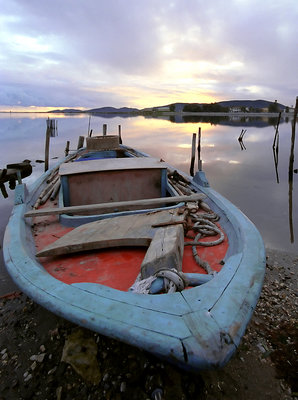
pixel 250 174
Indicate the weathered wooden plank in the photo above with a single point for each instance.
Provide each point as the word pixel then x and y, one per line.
pixel 133 230
pixel 114 205
pixel 110 186
pixel 165 251
pixel 112 164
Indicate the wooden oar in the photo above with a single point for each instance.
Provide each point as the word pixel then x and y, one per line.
pixel 116 205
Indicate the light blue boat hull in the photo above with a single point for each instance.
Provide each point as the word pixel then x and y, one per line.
pixel 196 329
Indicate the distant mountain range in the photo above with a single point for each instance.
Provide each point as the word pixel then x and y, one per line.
pixel 178 107
pixel 101 110
pixel 67 110
pixel 104 110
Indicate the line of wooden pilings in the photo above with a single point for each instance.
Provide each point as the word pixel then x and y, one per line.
pixel 79 146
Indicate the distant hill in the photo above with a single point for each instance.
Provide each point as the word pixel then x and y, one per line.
pixel 252 105
pixel 257 104
pixel 67 110
pixel 108 110
pixel 101 110
pixel 224 106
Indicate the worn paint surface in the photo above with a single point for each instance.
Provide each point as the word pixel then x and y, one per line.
pixel 117 267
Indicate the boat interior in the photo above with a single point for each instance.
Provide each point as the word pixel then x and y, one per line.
pixel 106 176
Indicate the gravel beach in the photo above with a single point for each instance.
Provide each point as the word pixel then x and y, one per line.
pixel 45 357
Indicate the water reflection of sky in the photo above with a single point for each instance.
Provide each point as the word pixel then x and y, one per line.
pixel 246 177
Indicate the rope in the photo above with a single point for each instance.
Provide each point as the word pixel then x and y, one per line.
pixel 204 227
pixel 142 286
pixel 173 281
pixel 203 224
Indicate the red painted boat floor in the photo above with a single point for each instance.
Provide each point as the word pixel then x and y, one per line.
pixel 117 267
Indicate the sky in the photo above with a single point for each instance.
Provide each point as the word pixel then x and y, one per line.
pixel 143 53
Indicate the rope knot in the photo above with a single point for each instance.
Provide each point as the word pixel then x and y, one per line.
pixel 173 281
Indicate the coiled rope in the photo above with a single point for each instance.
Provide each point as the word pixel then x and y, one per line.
pixel 204 228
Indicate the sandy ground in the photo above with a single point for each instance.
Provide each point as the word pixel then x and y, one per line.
pixel 45 357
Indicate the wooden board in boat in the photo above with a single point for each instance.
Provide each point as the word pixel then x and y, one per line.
pixel 133 230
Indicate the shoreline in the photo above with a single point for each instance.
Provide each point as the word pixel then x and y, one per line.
pixel 161 113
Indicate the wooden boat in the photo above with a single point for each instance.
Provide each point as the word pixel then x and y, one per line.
pixel 110 254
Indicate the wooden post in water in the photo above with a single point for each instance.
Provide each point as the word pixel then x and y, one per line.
pixel 104 129
pixel 199 150
pixel 51 131
pixel 278 121
pixel 89 126
pixel 193 154
pixel 291 172
pixel 119 133
pixel 240 139
pixel 67 148
pixel 47 146
pixel 80 142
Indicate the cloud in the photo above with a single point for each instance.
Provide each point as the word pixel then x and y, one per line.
pixel 115 34
pixel 100 53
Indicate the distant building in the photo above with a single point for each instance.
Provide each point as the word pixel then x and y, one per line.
pixel 162 109
pixel 235 109
pixel 179 107
pixel 238 109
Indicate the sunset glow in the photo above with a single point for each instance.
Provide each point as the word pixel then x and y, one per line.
pixel 53 56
